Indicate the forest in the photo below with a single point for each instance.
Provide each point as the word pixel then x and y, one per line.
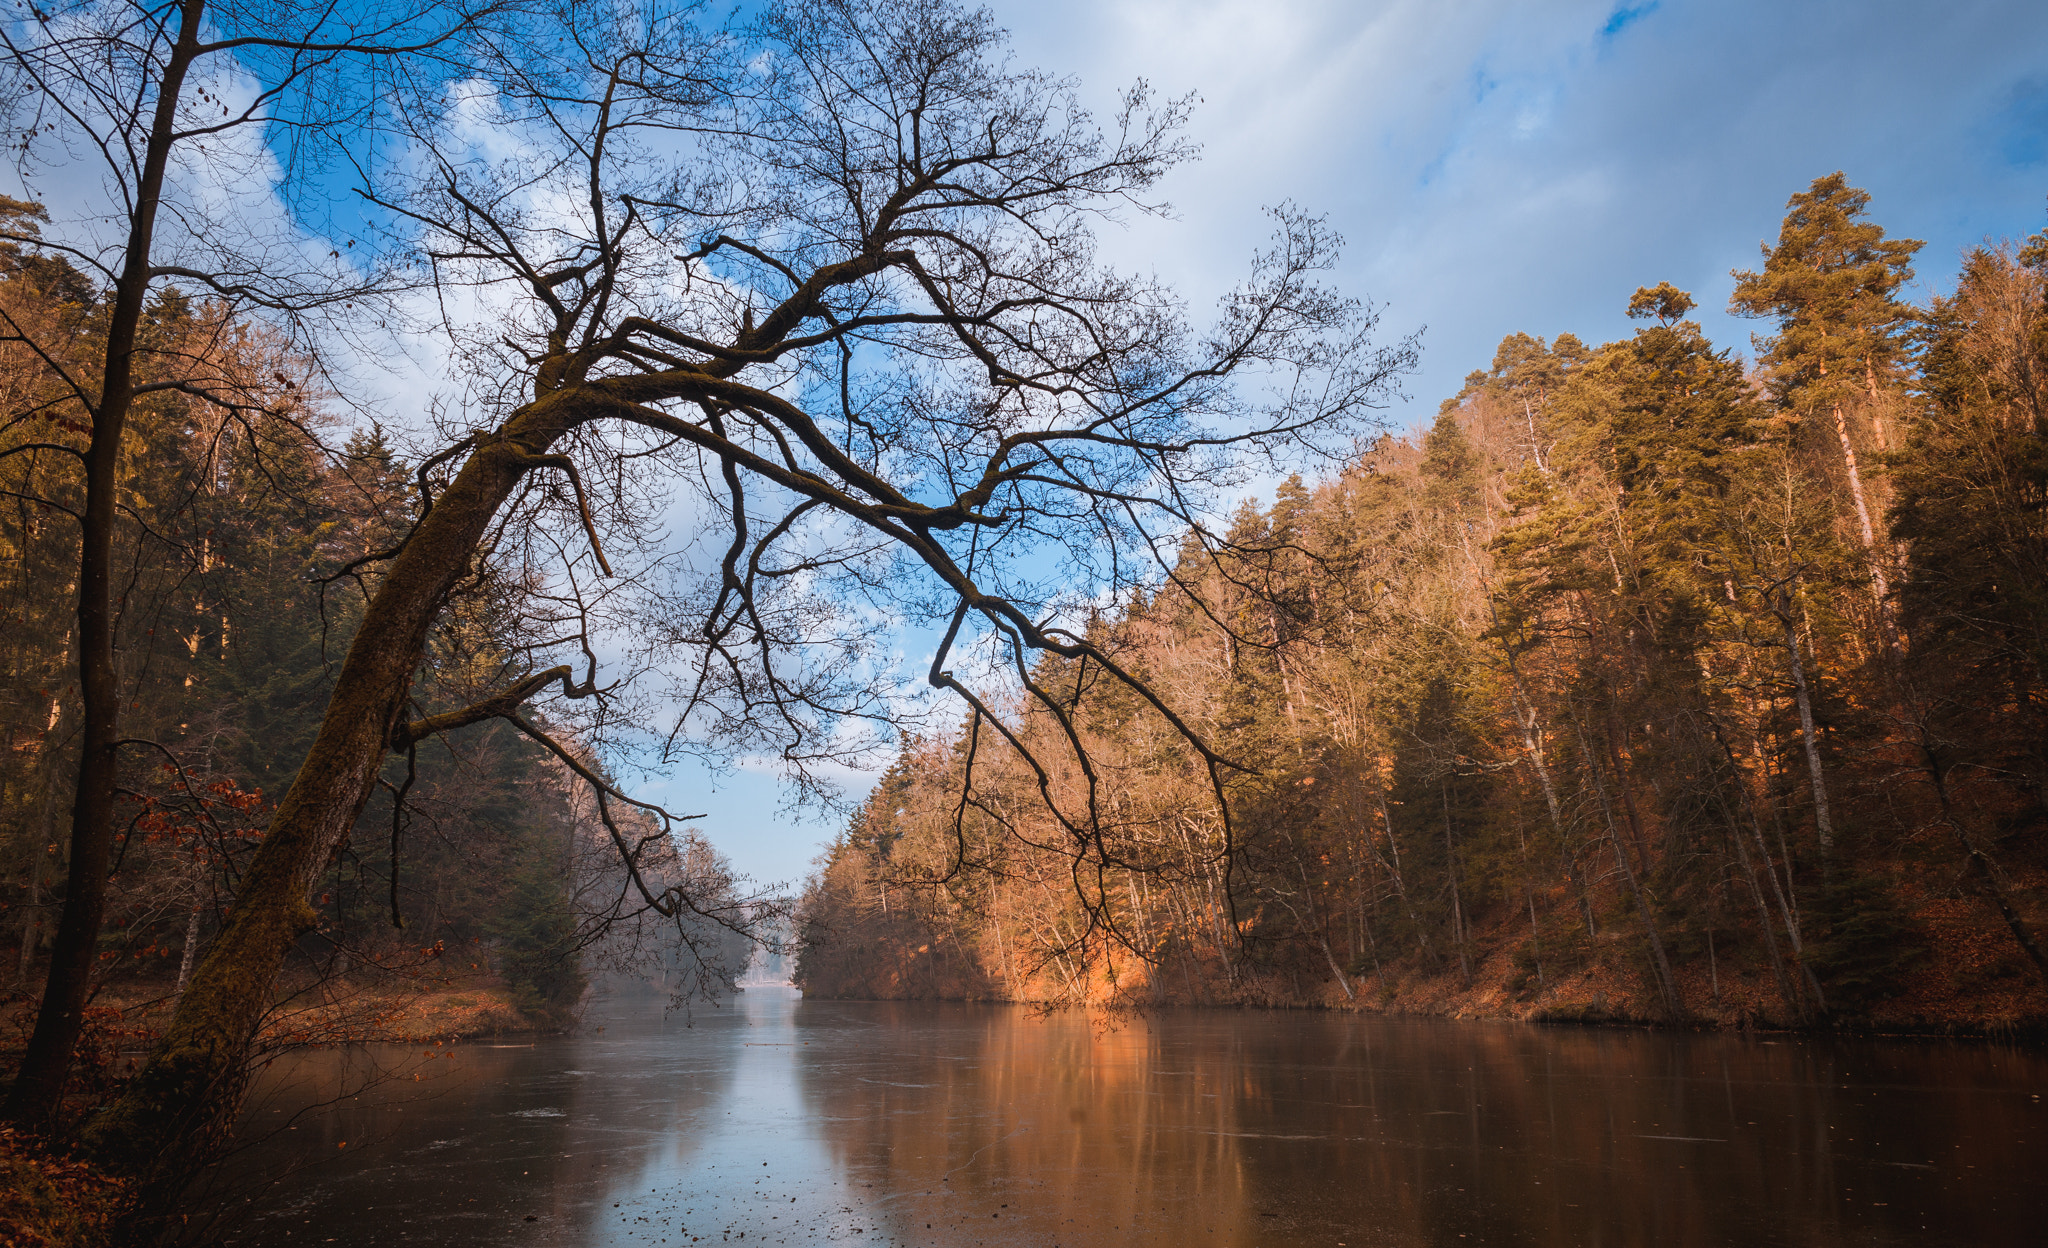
pixel 1649 683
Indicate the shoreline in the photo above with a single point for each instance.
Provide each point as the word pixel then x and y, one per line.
pixel 2027 1031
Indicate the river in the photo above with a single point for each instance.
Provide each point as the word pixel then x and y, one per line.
pixel 780 1121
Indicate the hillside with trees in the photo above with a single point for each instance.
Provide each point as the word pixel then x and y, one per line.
pixel 1646 683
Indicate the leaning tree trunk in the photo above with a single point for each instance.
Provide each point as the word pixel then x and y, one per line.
pixel 186 1097
pixel 1864 528
pixel 1660 963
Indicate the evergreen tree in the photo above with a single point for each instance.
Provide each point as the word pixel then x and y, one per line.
pixel 1843 341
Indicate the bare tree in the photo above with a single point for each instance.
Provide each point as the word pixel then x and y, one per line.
pixel 824 291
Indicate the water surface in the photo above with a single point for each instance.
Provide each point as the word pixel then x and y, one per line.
pixel 779 1121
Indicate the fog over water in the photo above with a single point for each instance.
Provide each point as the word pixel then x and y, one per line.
pixel 777 1120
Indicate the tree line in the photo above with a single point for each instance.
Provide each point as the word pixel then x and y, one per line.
pixel 1646 682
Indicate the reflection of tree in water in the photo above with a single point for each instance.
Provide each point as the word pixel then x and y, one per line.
pixel 494 1130
pixel 1260 1125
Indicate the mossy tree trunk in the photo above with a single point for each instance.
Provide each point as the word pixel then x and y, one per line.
pixel 189 1089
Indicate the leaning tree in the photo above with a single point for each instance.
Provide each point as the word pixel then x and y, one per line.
pixel 818 297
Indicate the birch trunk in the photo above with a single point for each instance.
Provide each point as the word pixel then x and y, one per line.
pixel 1822 822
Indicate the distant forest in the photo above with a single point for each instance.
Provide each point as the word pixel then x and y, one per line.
pixel 1650 682
pixel 240 583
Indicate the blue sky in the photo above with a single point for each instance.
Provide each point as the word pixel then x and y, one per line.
pixel 1500 167
pixel 1523 166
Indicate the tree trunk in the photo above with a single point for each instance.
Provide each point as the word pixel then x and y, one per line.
pixel 1628 801
pixel 1876 555
pixel 1989 884
pixel 191 951
pixel 1526 720
pixel 45 835
pixel 1793 1001
pixel 1865 529
pixel 1808 738
pixel 39 1086
pixel 1401 885
pixel 186 1096
pixel 1372 944
pixel 32 914
pixel 1529 894
pixel 1322 928
pixel 1667 984
pixel 1782 891
pixel 1457 898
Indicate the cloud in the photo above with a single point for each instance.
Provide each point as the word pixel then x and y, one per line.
pixel 1502 168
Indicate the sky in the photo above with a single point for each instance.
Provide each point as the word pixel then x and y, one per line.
pixel 1498 167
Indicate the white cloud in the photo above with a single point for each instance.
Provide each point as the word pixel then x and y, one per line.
pixel 1501 167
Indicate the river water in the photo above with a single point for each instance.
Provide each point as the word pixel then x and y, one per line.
pixel 780 1121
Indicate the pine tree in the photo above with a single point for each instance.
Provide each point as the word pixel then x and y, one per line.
pixel 1843 338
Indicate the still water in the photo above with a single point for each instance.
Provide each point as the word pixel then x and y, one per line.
pixel 779 1121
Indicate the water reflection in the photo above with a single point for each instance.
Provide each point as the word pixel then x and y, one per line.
pixel 1276 1129
pixel 780 1121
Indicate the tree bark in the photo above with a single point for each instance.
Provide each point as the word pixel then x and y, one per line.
pixel 31 919
pixel 1667 984
pixel 1809 739
pixel 39 1086
pixel 1875 554
pixel 1989 884
pixel 1793 1001
pixel 1457 898
pixel 186 1096
pixel 1527 721
pixel 1865 530
pixel 1401 885
pixel 1322 928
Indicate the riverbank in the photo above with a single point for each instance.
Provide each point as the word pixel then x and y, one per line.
pixel 411 1017
pixel 1961 978
pixel 340 1012
pixel 48 1200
